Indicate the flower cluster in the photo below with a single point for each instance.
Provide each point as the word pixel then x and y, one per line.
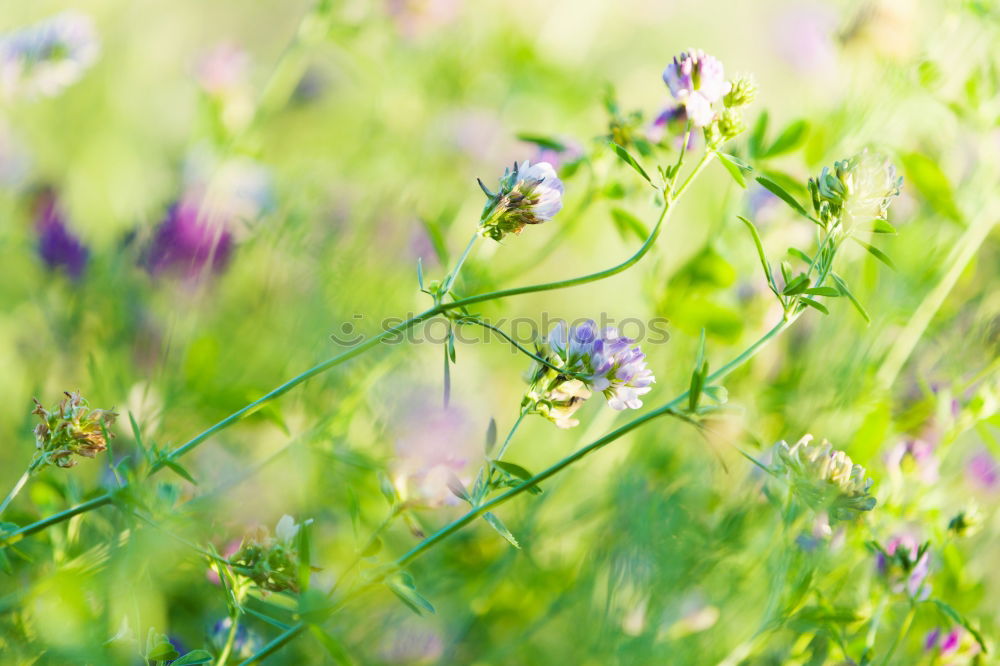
pixel 825 478
pixel 45 58
pixel 957 646
pixel 58 246
pixel 528 194
pixel 857 190
pixel 905 564
pixel 270 562
pixel 588 360
pixel 69 429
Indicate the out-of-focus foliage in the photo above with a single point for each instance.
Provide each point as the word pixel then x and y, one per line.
pixel 199 200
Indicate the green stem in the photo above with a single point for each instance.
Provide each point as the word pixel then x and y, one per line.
pixel 230 640
pixel 19 485
pixel 453 275
pixel 665 409
pixel 275 645
pixel 904 343
pixel 510 435
pixel 517 345
pixel 904 629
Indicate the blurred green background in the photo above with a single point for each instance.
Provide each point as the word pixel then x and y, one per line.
pixel 334 149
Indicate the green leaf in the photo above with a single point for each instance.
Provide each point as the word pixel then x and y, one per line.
pixel 791 138
pixel 796 252
pixel 545 142
pixel 302 540
pixel 626 222
pixel 717 393
pixel 457 488
pixel 756 140
pixel 627 158
pixel 420 273
pixel 781 193
pixel 760 249
pixel 798 285
pixel 814 304
pixel 451 345
pixel 178 469
pixel 822 291
pixel 403 587
pixel 498 525
pixel 960 619
pixel 513 470
pixel 880 226
pixel 194 657
pixel 733 166
pixel 932 183
pixel 842 286
pixel 875 252
pixel 491 436
pixel 373 547
pixel 164 651
pixel 388 490
pixel 333 647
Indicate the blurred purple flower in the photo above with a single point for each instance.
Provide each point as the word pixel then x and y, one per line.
pixel 222 69
pixel 983 470
pixel 45 58
pixel 804 37
pixel 931 639
pixel 186 244
pixel 916 455
pixel 903 568
pixel 57 245
pixel 671 123
pixel 432 450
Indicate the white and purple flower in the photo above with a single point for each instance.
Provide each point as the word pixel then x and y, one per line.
pixel 697 81
pixel 528 194
pixel 589 360
pixel 43 59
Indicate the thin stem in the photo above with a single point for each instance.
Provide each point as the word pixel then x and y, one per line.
pixel 906 341
pixel 904 629
pixel 517 345
pixel 510 435
pixel 275 645
pixel 234 625
pixel 453 275
pixel 665 409
pixel 18 486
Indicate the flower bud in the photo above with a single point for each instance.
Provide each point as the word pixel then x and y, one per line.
pixel 825 478
pixel 741 92
pixel 270 562
pixel 857 190
pixel 966 522
pixel 529 194
pixel 71 428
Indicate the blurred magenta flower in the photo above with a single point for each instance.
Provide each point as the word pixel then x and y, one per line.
pixel 983 471
pixel 916 456
pixel 414 18
pixel 696 80
pixel 198 234
pixel 57 245
pixel 223 69
pixel 43 59
pixel 804 37
pixel 905 567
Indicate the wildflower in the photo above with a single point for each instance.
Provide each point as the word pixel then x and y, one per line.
pixel 957 646
pixel 45 58
pixel 905 565
pixel 245 643
pixel 670 123
pixel 916 456
pixel 528 194
pixel 825 478
pixel 696 80
pixel 588 360
pixel 434 448
pixel 57 245
pixel 71 428
pixel 966 522
pixel 983 470
pixel 858 190
pixel 223 69
pixel 270 562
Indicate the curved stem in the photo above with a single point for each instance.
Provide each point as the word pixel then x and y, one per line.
pixel 665 409
pixel 275 645
pixel 234 625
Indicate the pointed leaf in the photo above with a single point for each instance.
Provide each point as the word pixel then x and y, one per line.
pixel 815 304
pixel 420 272
pixel 496 524
pixel 781 193
pixel 729 163
pixel 842 286
pixel 491 436
pixel 194 657
pixel 626 222
pixel 796 252
pixel 627 158
pixel 760 249
pixel 756 140
pixel 880 226
pixel 402 586
pixel 798 285
pixel 513 470
pixel 790 139
pixel 178 469
pixel 877 253
pixel 823 291
pixel 333 647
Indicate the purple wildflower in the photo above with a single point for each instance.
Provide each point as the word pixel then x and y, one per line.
pixel 57 245
pixel 670 124
pixel 931 639
pixel 983 470
pixel 914 455
pixel 905 566
pixel 589 360
pixel 185 244
pixel 696 80
pixel 433 450
pixel 47 57
pixel 528 194
pixel 222 69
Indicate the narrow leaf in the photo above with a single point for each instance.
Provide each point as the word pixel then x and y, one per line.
pixel 402 586
pixel 961 619
pixel 781 193
pixel 756 140
pixel 496 524
pixel 796 252
pixel 760 249
pixel 734 170
pixel 179 470
pixel 626 222
pixel 513 470
pixel 491 436
pixel 790 139
pixel 880 226
pixel 823 291
pixel 815 304
pixel 194 657
pixel 420 272
pixel 798 285
pixel 333 647
pixel 627 158
pixel 842 286
pixel 877 253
